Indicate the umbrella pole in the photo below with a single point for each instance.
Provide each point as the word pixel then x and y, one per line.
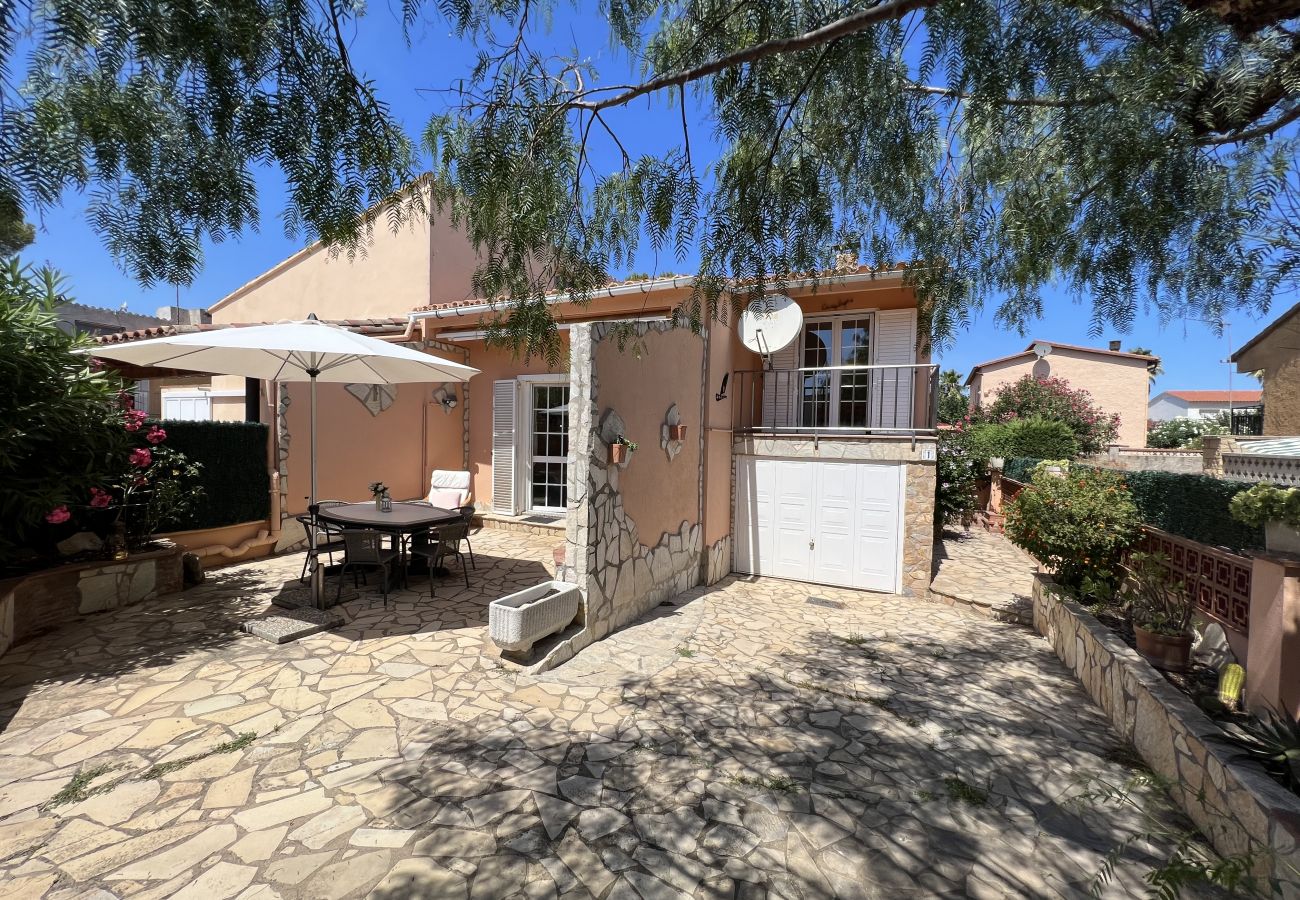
pixel 317 573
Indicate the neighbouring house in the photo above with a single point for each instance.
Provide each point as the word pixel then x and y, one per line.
pixel 817 464
pixel 1275 353
pixel 1199 404
pixel 1119 382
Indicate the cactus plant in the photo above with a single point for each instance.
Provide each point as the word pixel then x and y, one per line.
pixel 1232 678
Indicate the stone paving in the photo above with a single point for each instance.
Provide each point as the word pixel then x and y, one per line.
pixel 758 738
pixel 984 571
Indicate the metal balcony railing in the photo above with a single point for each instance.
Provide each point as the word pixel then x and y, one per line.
pixel 845 400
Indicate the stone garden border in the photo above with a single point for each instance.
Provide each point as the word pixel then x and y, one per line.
pixel 42 601
pixel 1233 802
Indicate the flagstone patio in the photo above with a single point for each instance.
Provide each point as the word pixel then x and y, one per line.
pixel 759 738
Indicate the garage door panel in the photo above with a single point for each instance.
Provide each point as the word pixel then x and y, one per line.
pixel 878 518
pixel 834 530
pixel 794 519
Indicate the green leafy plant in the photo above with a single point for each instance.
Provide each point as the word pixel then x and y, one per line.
pixel 1183 432
pixel 1155 601
pixel 1053 399
pixel 954 403
pixel 1079 524
pixel 630 445
pixel 1032 437
pixel 1274 741
pixel 1266 503
pixel 60 421
pixel 236 483
pixel 957 475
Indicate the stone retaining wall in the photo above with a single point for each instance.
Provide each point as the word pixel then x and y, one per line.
pixel 42 601
pixel 1236 805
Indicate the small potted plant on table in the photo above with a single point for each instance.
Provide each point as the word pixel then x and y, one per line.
pixel 620 450
pixel 1275 509
pixel 379 491
pixel 1161 612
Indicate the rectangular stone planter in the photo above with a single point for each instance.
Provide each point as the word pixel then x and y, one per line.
pixel 519 620
pixel 1232 801
pixel 42 601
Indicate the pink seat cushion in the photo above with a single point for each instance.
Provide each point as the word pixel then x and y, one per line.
pixel 445 498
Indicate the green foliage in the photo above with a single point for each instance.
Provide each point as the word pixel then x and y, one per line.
pixel 954 402
pixel 1053 398
pixel 1079 523
pixel 958 473
pixel 60 425
pixel 1154 600
pixel 235 479
pixel 1264 502
pixel 1154 368
pixel 1192 506
pixel 1035 437
pixel 1274 741
pixel 1183 432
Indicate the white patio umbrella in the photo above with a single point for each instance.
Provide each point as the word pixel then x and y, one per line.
pixel 309 350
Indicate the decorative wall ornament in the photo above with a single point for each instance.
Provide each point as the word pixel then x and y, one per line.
pixel 445 397
pixel 672 434
pixel 374 397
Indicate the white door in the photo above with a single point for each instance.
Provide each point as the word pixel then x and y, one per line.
pixel 194 407
pixel 828 522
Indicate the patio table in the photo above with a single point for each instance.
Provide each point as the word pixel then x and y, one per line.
pixel 402 520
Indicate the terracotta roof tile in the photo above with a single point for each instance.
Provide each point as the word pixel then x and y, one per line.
pixel 1218 396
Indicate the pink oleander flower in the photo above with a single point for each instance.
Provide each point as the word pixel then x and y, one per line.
pixel 125 400
pixel 140 481
pixel 134 419
pixel 100 498
pixel 141 457
pixel 156 435
pixel 58 515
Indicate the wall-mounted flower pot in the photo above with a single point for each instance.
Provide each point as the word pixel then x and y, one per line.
pixel 1164 651
pixel 1281 538
pixel 676 432
pixel 618 454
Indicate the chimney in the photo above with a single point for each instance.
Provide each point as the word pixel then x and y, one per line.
pixel 1114 346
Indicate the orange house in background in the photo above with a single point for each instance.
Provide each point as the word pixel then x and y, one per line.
pixel 1119 382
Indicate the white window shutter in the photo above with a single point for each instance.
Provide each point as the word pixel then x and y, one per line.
pixel 891 391
pixel 505 498
pixel 781 387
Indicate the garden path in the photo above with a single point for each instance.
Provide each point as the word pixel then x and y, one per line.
pixel 757 738
pixel 984 571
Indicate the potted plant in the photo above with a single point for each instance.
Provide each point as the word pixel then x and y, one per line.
pixel 620 449
pixel 1276 509
pixel 379 491
pixel 1161 612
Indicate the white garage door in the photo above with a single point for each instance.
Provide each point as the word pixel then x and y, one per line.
pixel 815 520
pixel 193 407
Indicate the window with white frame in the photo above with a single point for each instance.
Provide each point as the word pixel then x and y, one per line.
pixel 833 397
pixel 546 448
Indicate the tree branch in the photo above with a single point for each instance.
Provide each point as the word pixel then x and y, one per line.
pixel 1251 133
pixel 860 21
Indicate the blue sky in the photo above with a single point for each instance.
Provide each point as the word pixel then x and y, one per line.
pixel 407 78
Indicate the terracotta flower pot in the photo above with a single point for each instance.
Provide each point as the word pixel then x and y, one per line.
pixel 617 453
pixel 1164 651
pixel 676 432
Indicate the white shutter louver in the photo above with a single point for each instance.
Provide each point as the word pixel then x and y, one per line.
pixel 504 495
pixel 891 389
pixel 780 387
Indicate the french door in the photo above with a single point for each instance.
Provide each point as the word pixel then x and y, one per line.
pixel 547 445
pixel 832 397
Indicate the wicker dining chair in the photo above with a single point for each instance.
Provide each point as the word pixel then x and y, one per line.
pixel 467 513
pixel 443 541
pixel 329 537
pixel 363 548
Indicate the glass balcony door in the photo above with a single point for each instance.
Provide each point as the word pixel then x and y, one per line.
pixel 834 398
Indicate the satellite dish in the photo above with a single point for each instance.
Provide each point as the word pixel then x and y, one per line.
pixel 770 323
pixel 1042 348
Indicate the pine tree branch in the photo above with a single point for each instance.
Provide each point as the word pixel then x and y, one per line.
pixel 860 21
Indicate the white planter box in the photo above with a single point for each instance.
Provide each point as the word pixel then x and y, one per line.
pixel 521 619
pixel 1281 538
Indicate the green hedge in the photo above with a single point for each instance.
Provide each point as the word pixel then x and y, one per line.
pixel 1193 506
pixel 236 484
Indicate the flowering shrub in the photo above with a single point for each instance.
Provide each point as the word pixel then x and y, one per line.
pixel 1053 398
pixel 959 470
pixel 1183 432
pixel 1078 523
pixel 1266 503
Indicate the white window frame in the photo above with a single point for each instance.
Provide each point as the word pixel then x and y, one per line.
pixel 836 322
pixel 524 444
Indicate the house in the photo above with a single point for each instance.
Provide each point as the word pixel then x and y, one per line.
pixel 1199 404
pixel 1119 382
pixel 817 464
pixel 1275 352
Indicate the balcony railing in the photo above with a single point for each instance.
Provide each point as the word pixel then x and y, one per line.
pixel 846 400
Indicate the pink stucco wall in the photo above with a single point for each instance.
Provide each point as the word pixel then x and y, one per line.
pixel 1118 384
pixel 640 385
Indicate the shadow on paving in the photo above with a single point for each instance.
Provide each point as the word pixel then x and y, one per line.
pixel 877 768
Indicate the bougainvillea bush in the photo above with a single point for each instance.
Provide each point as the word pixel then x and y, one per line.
pixel 1078 523
pixel 1053 398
